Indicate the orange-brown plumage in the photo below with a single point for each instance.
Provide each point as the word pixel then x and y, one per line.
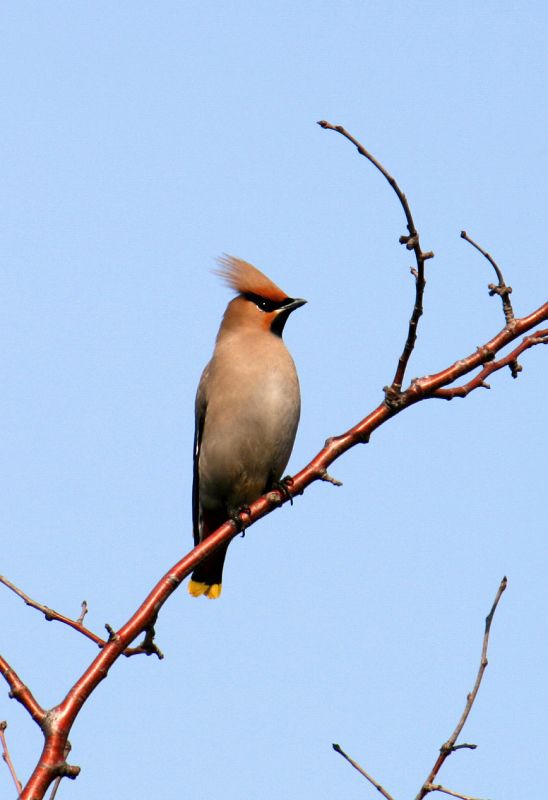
pixel 244 278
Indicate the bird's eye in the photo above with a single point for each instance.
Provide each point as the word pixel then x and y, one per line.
pixel 266 305
pixel 263 303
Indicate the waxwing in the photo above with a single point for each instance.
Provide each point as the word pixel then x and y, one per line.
pixel 247 411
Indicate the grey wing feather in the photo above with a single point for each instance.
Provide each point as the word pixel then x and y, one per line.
pixel 200 413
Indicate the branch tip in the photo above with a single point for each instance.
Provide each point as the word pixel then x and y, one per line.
pixel 338 749
pixel 450 745
pixel 325 476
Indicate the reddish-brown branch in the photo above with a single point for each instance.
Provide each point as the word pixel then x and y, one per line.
pixel 539 337
pixel 450 745
pixel 20 692
pixel 7 758
pixel 411 242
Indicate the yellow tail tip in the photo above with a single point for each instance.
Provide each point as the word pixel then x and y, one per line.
pixel 197 589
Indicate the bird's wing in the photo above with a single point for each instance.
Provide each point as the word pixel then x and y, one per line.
pixel 200 413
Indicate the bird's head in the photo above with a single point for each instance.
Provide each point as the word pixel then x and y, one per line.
pixel 260 304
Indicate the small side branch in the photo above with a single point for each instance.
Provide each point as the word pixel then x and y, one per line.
pixel 501 289
pixel 7 758
pixel 338 749
pixel 54 616
pixel 147 647
pixel 20 692
pixel 539 337
pixel 437 787
pixel 411 242
pixel 450 745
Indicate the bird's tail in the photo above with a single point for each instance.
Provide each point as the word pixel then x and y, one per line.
pixel 207 578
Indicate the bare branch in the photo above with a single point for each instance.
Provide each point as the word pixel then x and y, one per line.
pixel 83 613
pixel 539 337
pixel 59 778
pixel 501 289
pixel 450 745
pixel 20 692
pixel 54 616
pixel 439 788
pixel 148 647
pixel 330 479
pixel 7 758
pixel 411 242
pixel 338 749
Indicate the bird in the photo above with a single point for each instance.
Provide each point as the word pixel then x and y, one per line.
pixel 247 410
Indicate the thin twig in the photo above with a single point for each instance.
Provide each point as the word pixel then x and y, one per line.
pixel 501 289
pixel 54 616
pixel 7 758
pixel 539 337
pixel 20 692
pixel 449 746
pixel 146 648
pixel 338 749
pixel 411 242
pixel 83 613
pixel 330 479
pixel 439 788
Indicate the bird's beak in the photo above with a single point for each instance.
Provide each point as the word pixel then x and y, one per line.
pixel 293 304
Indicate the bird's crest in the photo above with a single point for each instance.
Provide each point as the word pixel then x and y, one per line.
pixel 247 279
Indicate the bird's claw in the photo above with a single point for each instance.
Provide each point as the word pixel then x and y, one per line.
pixel 236 518
pixel 284 486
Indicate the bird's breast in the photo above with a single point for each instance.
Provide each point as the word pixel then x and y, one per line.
pixel 252 413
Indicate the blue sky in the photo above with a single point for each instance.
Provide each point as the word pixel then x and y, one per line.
pixel 139 141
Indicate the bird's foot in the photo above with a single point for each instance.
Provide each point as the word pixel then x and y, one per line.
pixel 284 486
pixel 236 517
